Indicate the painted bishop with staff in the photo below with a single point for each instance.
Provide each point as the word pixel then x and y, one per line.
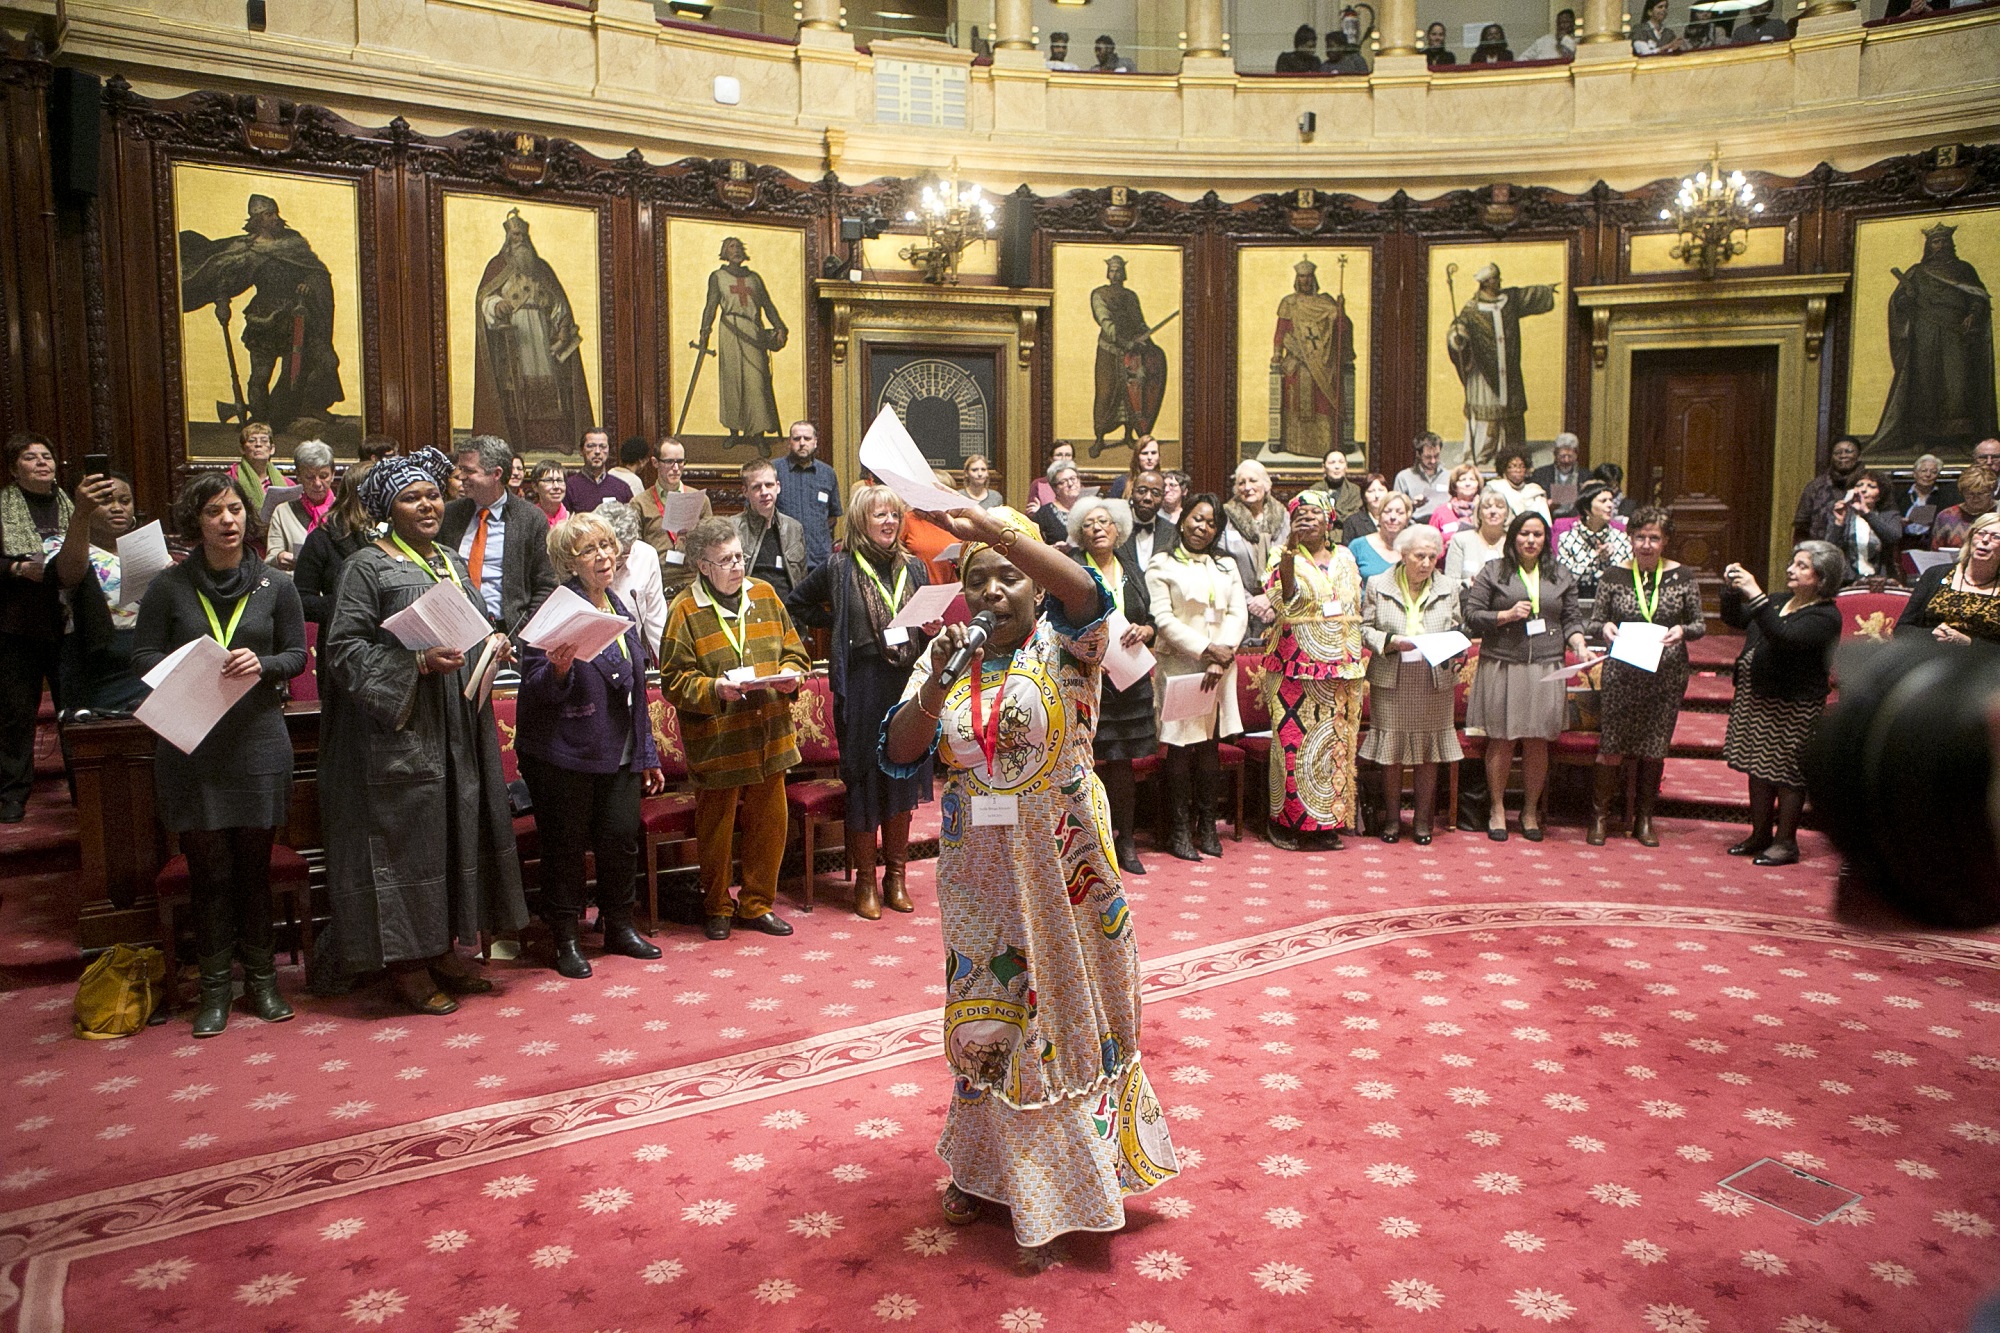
pixel 1484 342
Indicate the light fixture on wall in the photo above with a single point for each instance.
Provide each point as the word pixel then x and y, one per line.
pixel 1713 214
pixel 953 217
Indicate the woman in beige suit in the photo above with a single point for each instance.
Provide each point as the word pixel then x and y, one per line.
pixel 1410 701
pixel 1199 616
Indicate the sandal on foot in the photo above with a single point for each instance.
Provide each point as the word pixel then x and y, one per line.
pixel 960 1208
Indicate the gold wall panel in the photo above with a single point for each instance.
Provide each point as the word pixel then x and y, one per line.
pixel 1651 252
pixel 1544 337
pixel 1264 277
pixel 778 256
pixel 1153 273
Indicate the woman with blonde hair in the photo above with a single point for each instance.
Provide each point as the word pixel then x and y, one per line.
pixel 855 595
pixel 1959 603
pixel 1255 524
pixel 1468 550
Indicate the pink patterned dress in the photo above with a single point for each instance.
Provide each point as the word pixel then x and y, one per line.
pixel 1312 688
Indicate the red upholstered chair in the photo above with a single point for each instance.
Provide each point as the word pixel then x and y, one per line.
pixel 527 839
pixel 305 685
pixel 291 884
pixel 1865 614
pixel 669 817
pixel 817 799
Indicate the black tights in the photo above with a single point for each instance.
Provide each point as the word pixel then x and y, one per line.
pixel 229 888
pixel 1120 793
pixel 1790 803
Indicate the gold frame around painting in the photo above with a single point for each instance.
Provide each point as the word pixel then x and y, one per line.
pixel 1266 281
pixel 525 335
pixel 274 260
pixel 1153 273
pixel 1544 337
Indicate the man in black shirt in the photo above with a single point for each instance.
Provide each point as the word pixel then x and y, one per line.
pixel 1303 58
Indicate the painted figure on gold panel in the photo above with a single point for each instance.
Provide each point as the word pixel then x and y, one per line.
pixel 1312 355
pixel 1941 344
pixel 1131 371
pixel 287 327
pixel 751 331
pixel 1484 342
pixel 529 386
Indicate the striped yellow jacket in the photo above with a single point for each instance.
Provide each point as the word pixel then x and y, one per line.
pixel 745 742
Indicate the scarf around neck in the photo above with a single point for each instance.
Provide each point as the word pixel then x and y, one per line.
pixel 18 534
pixel 225 585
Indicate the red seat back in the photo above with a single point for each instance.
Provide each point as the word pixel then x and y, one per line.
pixel 305 685
pixel 1250 696
pixel 1870 615
pixel 503 715
pixel 667 735
pixel 812 723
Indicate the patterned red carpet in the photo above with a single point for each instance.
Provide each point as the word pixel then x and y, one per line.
pixel 1460 1087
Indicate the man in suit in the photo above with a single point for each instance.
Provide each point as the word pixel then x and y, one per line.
pixel 1561 479
pixel 504 539
pixel 1152 531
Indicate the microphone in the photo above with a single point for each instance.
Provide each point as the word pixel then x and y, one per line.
pixel 975 639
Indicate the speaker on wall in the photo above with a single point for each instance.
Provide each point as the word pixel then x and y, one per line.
pixel 1017 238
pixel 76 112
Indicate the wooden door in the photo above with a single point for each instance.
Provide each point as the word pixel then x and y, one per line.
pixel 1704 423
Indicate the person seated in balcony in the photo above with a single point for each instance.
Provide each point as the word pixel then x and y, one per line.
pixel 1557 45
pixel 1922 500
pixel 1652 37
pixel 1303 58
pixel 1763 26
pixel 1975 497
pixel 1492 48
pixel 1435 50
pixel 1059 52
pixel 1108 59
pixel 1343 51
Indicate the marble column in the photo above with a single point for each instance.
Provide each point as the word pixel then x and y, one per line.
pixel 1204 28
pixel 1603 21
pixel 1397 30
pixel 820 16
pixel 1013 25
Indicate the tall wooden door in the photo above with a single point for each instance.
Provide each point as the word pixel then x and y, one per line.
pixel 1704 423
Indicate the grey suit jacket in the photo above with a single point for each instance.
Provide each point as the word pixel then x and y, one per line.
pixel 527 574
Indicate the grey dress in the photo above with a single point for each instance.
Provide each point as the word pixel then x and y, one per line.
pixel 419 842
pixel 240 776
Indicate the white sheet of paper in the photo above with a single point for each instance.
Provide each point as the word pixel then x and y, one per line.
pixel 1442 646
pixel 275 496
pixel 1125 665
pixel 1638 644
pixel 747 676
pixel 888 451
pixel 442 618
pixel 1413 655
pixel 951 552
pixel 567 620
pixel 926 604
pixel 679 510
pixel 142 557
pixel 1572 672
pixel 1924 560
pixel 1185 698
pixel 190 694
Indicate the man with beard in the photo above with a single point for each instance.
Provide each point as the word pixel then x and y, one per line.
pixel 1813 519
pixel 1941 344
pixel 1312 350
pixel 529 385
pixel 288 325
pixel 1130 370
pixel 1484 343
pixel 751 331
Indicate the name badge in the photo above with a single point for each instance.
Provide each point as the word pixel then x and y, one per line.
pixel 1330 607
pixel 676 558
pixel 822 497
pixel 896 636
pixel 996 811
pixel 1413 655
pixel 1213 615
pixel 1538 626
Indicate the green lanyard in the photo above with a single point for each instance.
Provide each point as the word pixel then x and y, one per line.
pixel 223 636
pixel 1648 607
pixel 1531 579
pixel 618 642
pixel 736 637
pixel 1413 612
pixel 902 582
pixel 1115 580
pixel 424 564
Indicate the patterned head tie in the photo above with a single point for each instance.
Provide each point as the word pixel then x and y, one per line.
pixel 396 473
pixel 1006 518
pixel 1319 500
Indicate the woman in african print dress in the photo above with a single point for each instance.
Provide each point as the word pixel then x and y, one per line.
pixel 1312 680
pixel 1051 1114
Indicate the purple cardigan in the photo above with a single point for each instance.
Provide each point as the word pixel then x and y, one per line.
pixel 582 724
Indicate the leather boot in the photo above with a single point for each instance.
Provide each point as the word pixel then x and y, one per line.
pixel 1207 789
pixel 570 961
pixel 256 948
pixel 1127 854
pixel 215 953
pixel 895 857
pixel 1180 799
pixel 619 936
pixel 861 860
pixel 1650 773
pixel 1604 783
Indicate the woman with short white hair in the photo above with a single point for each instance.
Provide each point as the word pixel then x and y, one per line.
pixel 312 469
pixel 1098 530
pixel 1410 701
pixel 1256 527
pixel 1065 486
pixel 639 582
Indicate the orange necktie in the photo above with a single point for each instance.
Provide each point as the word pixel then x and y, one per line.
pixel 478 558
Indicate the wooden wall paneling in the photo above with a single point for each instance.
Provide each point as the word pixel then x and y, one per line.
pixel 38 395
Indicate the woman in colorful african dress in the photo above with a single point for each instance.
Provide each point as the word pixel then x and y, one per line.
pixel 1312 680
pixel 1051 1114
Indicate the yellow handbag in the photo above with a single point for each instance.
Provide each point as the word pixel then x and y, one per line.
pixel 119 992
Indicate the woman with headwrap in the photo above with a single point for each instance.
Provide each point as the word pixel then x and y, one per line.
pixel 419 843
pixel 1313 669
pixel 1051 1114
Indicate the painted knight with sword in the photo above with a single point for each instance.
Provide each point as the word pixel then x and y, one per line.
pixel 750 331
pixel 1131 369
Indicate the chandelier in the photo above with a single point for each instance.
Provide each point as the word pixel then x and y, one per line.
pixel 1713 214
pixel 953 217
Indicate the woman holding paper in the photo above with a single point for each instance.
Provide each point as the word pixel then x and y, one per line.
pixel 312 471
pixel 1065 486
pixel 1050 1114
pixel 1199 614
pixel 584 739
pixel 1523 608
pixel 1410 700
pixel 1312 677
pixel 1652 597
pixel 1593 545
pixel 419 842
pixel 856 595
pixel 227 797
pixel 97 675
pixel 1125 726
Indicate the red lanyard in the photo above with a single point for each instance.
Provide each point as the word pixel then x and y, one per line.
pixel 986 730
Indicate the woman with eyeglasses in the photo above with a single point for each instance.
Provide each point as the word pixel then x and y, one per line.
pixel 1099 530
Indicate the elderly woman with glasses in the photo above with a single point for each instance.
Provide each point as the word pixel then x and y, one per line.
pixel 639 580
pixel 1410 701
pixel 312 470
pixel 1065 486
pixel 1099 530
pixel 585 743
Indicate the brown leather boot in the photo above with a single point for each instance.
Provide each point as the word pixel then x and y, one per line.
pixel 1603 785
pixel 861 860
pixel 895 856
pixel 1650 773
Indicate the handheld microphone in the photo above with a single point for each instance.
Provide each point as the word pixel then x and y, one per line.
pixel 975 639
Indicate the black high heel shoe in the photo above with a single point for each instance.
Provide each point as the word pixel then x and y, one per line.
pixel 1751 846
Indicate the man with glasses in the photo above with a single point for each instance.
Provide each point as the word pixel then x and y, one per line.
pixel 724 632
pixel 676 568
